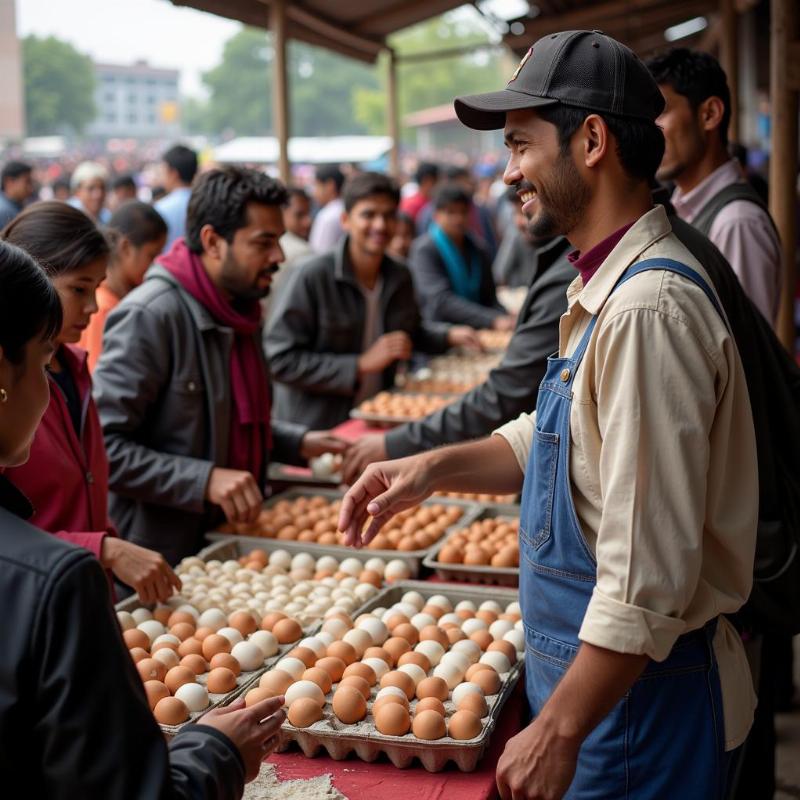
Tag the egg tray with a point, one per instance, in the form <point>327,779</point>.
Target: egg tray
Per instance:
<point>413,558</point>
<point>339,740</point>
<point>473,573</point>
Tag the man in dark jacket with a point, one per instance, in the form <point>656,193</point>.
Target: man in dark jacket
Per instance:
<point>181,387</point>
<point>452,270</point>
<point>348,317</point>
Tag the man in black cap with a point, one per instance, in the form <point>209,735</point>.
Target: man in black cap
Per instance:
<point>640,493</point>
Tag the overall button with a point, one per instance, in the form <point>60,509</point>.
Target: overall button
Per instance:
<point>565,373</point>
<point>191,386</point>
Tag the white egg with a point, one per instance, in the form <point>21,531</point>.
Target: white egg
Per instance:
<point>245,575</point>
<point>249,655</point>
<point>231,634</point>
<point>293,608</point>
<point>390,690</point>
<point>305,689</point>
<point>326,638</point>
<point>499,628</point>
<point>126,620</point>
<point>230,567</point>
<point>214,618</point>
<point>519,626</point>
<point>352,566</point>
<point>432,650</point>
<point>365,591</point>
<point>349,583</point>
<point>406,609</point>
<point>335,627</point>
<point>166,637</point>
<point>471,626</point>
<point>346,605</point>
<point>397,570</point>
<point>378,612</point>
<point>265,641</point>
<point>441,601</point>
<point>282,580</point>
<point>327,564</point>
<point>513,608</point>
<point>194,561</point>
<point>152,627</point>
<point>359,638</point>
<point>459,660</point>
<point>167,657</point>
<point>468,648</point>
<point>303,561</point>
<point>496,659</point>
<point>422,620</point>
<point>315,644</point>
<point>273,605</point>
<point>466,605</point>
<point>517,638</point>
<point>141,615</point>
<point>280,558</point>
<point>376,629</point>
<point>463,689</point>
<point>450,674</point>
<point>241,588</point>
<point>379,666</point>
<point>194,696</point>
<point>376,565</point>
<point>450,619</point>
<point>294,666</point>
<point>415,599</point>
<point>491,605</point>
<point>414,670</point>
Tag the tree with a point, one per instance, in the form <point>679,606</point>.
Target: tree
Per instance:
<point>59,86</point>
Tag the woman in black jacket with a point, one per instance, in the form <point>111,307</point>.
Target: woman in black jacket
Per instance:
<point>74,721</point>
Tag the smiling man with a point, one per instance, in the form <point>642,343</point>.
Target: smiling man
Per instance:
<point>638,469</point>
<point>347,318</point>
<point>182,388</point>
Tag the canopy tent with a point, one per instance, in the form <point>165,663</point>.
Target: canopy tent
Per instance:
<point>304,149</point>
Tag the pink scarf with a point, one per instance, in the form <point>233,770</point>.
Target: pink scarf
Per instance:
<point>250,432</point>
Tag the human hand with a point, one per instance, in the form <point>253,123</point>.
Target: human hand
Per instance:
<point>464,336</point>
<point>145,571</point>
<point>367,450</point>
<point>385,489</point>
<point>316,443</point>
<point>236,492</point>
<point>504,323</point>
<point>537,764</point>
<point>390,347</point>
<point>253,731</point>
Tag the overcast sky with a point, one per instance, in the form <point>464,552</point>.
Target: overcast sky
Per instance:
<point>121,31</point>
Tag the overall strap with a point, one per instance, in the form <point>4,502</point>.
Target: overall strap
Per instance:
<point>741,190</point>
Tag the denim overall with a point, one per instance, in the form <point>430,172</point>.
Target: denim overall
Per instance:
<point>664,740</point>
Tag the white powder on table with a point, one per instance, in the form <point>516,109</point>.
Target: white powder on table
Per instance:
<point>267,786</point>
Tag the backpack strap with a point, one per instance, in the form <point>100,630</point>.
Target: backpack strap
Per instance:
<point>741,190</point>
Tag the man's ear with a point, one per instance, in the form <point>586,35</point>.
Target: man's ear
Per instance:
<point>212,242</point>
<point>710,113</point>
<point>595,140</point>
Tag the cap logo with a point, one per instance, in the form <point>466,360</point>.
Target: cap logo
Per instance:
<point>522,63</point>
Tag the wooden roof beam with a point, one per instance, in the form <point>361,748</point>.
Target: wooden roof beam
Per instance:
<point>397,16</point>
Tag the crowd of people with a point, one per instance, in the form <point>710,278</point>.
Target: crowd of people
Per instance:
<point>155,358</point>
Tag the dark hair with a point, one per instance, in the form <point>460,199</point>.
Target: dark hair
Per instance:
<point>61,238</point>
<point>183,160</point>
<point>697,76</point>
<point>369,184</point>
<point>298,192</point>
<point>426,169</point>
<point>29,303</point>
<point>220,198</point>
<point>405,219</point>
<point>330,172</point>
<point>157,192</point>
<point>61,183</point>
<point>124,182</point>
<point>450,193</point>
<point>454,173</point>
<point>640,142</point>
<point>138,222</point>
<point>13,170</point>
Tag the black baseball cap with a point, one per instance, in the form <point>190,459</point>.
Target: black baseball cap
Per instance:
<point>583,69</point>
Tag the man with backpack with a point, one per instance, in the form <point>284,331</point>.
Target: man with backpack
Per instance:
<point>711,192</point>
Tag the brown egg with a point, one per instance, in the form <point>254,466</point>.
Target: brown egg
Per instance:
<point>221,680</point>
<point>243,622</point>
<point>477,557</point>
<point>507,556</point>
<point>344,651</point>
<point>473,668</point>
<point>177,676</point>
<point>138,653</point>
<point>228,661</point>
<point>420,659</point>
<point>465,613</point>
<point>361,670</point>
<point>430,704</point>
<point>389,698</point>
<point>400,680</point>
<point>506,648</point>
<point>451,554</point>
<point>320,677</point>
<point>335,667</point>
<point>488,680</point>
<point>378,652</point>
<point>392,720</point>
<point>432,687</point>
<point>257,695</point>
<point>434,633</point>
<point>482,638</point>
<point>171,711</point>
<point>437,612</point>
<point>370,576</point>
<point>395,620</point>
<point>269,620</point>
<point>464,725</point>
<point>474,702</point>
<point>487,616</point>
<point>304,712</point>
<point>203,632</point>
<point>259,555</point>
<point>357,683</point>
<point>215,644</point>
<point>349,705</point>
<point>136,638</point>
<point>408,632</point>
<point>346,618</point>
<point>162,614</point>
<point>164,645</point>
<point>395,647</point>
<point>454,635</point>
<point>429,725</point>
<point>190,646</point>
<point>183,630</point>
<point>277,681</point>
<point>195,663</point>
<point>287,630</point>
<point>151,669</point>
<point>304,654</point>
<point>181,617</point>
<point>407,544</point>
<point>155,691</point>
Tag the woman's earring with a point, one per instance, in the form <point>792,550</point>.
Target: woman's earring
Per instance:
<point>3,396</point>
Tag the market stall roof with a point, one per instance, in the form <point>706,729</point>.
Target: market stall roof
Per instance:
<point>304,149</point>
<point>355,28</point>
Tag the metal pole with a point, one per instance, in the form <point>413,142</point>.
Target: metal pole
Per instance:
<point>393,117</point>
<point>783,157</point>
<point>728,43</point>
<point>280,93</point>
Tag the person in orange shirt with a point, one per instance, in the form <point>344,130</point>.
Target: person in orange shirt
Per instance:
<point>138,233</point>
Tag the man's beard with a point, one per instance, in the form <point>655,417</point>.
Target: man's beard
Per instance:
<point>231,280</point>
<point>562,201</point>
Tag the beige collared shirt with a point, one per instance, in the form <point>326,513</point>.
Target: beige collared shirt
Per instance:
<point>662,461</point>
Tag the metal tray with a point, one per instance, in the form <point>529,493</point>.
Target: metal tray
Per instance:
<point>340,740</point>
<point>413,558</point>
<point>470,573</point>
